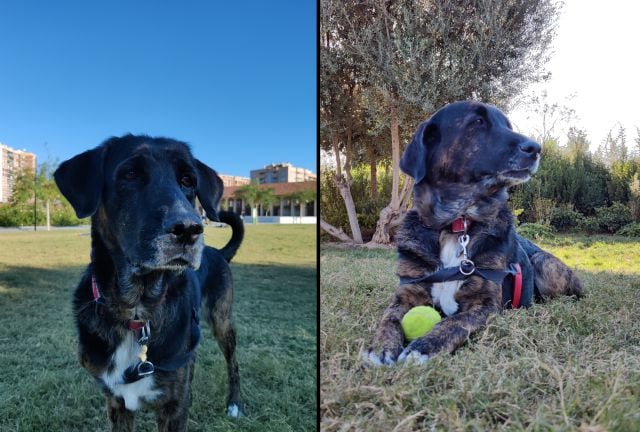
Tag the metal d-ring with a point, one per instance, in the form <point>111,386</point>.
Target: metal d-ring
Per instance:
<point>145,368</point>
<point>467,263</point>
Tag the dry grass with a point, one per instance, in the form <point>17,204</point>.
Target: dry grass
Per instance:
<point>43,387</point>
<point>563,365</point>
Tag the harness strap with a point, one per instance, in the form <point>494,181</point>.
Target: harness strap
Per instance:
<point>144,367</point>
<point>453,274</point>
<point>97,297</point>
<point>139,370</point>
<point>517,286</point>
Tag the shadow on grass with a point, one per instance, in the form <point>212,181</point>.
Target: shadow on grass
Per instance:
<point>42,386</point>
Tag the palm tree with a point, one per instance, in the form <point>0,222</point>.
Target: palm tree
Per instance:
<point>301,198</point>
<point>255,196</point>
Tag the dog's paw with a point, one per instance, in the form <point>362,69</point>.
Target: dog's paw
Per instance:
<point>234,411</point>
<point>410,356</point>
<point>382,358</point>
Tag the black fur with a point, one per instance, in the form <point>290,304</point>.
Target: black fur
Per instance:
<point>463,160</point>
<point>150,263</point>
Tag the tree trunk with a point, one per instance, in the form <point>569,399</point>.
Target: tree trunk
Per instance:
<point>336,232</point>
<point>345,192</point>
<point>336,151</point>
<point>373,163</point>
<point>390,215</point>
<point>48,217</point>
<point>384,225</point>
<point>395,153</point>
<point>344,187</point>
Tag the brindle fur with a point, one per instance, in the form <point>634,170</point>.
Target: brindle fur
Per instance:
<point>461,170</point>
<point>149,260</point>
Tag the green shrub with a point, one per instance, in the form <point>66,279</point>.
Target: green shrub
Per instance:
<point>22,215</point>
<point>590,225</point>
<point>10,216</point>
<point>535,231</point>
<point>368,210</point>
<point>516,213</point>
<point>65,216</point>
<point>614,217</point>
<point>630,230</point>
<point>565,218</point>
<point>331,203</point>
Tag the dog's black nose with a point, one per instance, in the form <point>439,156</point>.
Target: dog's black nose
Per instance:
<point>186,231</point>
<point>531,148</point>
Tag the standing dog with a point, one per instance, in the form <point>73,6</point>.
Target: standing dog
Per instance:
<point>137,306</point>
<point>458,243</point>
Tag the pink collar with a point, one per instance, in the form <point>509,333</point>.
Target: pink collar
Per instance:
<point>133,324</point>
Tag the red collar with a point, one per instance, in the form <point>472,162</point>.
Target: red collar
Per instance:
<point>458,225</point>
<point>136,324</point>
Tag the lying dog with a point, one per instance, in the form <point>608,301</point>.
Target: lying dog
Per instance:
<point>458,244</point>
<point>137,306</point>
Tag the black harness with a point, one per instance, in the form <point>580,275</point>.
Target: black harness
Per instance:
<point>448,274</point>
<point>142,329</point>
<point>511,289</point>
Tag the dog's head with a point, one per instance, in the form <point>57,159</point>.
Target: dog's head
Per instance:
<point>470,143</point>
<point>140,192</point>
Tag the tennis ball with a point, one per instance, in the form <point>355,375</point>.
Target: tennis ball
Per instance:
<point>419,321</point>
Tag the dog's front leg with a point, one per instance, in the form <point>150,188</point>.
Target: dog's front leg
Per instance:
<point>172,415</point>
<point>477,299</point>
<point>121,419</point>
<point>388,340</point>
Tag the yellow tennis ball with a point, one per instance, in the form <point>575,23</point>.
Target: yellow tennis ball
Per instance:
<point>419,321</point>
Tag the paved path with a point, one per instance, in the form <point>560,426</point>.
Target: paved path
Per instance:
<point>43,228</point>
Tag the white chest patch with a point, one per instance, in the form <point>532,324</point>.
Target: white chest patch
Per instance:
<point>124,356</point>
<point>443,293</point>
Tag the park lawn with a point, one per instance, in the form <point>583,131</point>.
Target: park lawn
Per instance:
<point>563,365</point>
<point>43,387</point>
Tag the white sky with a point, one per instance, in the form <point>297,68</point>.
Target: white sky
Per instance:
<point>597,58</point>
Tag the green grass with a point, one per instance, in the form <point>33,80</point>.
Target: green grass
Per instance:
<point>43,387</point>
<point>563,365</point>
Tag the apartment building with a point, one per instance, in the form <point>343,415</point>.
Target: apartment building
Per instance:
<point>230,180</point>
<point>282,173</point>
<point>12,162</point>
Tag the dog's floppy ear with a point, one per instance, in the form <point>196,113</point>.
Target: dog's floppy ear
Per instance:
<point>209,191</point>
<point>414,159</point>
<point>80,179</point>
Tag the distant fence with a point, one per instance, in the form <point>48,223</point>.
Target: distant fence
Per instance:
<point>282,220</point>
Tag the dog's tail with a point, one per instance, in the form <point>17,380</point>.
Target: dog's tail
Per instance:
<point>551,276</point>
<point>237,228</point>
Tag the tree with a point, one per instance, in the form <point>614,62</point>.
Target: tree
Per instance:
<point>634,198</point>
<point>338,112</point>
<point>614,147</point>
<point>256,196</point>
<point>550,116</point>
<point>20,209</point>
<point>301,198</point>
<point>412,57</point>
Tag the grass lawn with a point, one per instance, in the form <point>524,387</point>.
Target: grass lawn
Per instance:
<point>563,365</point>
<point>43,387</point>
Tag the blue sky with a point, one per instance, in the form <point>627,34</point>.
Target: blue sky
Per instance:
<point>236,80</point>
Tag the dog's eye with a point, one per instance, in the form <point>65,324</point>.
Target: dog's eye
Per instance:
<point>130,175</point>
<point>478,122</point>
<point>186,180</point>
